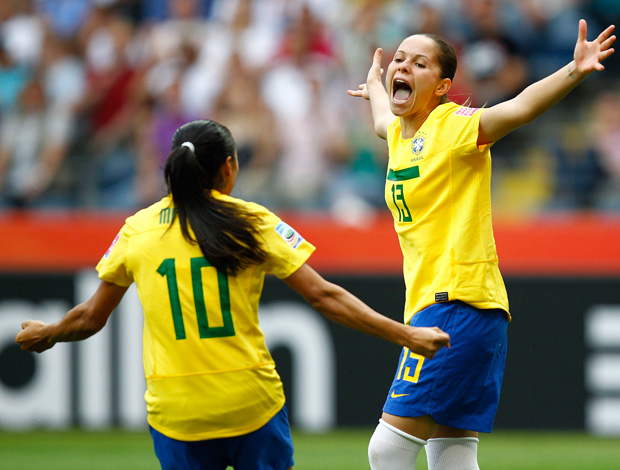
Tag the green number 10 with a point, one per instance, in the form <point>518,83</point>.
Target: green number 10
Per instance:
<point>168,269</point>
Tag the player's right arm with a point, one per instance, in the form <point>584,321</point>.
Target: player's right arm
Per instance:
<point>344,308</point>
<point>81,322</point>
<point>374,91</point>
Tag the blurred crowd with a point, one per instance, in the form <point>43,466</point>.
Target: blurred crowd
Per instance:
<point>92,90</point>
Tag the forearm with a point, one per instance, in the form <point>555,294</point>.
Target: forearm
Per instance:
<point>532,102</point>
<point>344,308</point>
<point>77,324</point>
<point>380,107</point>
<point>81,322</point>
<point>542,95</point>
<point>347,310</point>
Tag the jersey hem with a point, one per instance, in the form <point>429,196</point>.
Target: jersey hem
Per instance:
<point>238,431</point>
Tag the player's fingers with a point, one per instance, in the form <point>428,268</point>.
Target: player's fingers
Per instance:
<point>605,34</point>
<point>603,55</point>
<point>583,30</point>
<point>376,60</point>
<point>607,43</point>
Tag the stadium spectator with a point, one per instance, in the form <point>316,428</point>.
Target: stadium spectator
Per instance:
<point>34,139</point>
<point>64,17</point>
<point>109,107</point>
<point>13,77</point>
<point>22,31</point>
<point>63,73</point>
<point>196,41</point>
<point>605,138</point>
<point>158,117</point>
<point>241,106</point>
<point>300,89</point>
<point>544,32</point>
<point>578,172</point>
<point>490,58</point>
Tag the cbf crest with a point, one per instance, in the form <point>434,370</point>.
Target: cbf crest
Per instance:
<point>417,145</point>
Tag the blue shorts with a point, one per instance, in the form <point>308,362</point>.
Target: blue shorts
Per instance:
<point>460,386</point>
<point>267,448</point>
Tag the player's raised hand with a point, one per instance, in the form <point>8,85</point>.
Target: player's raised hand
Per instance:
<point>426,341</point>
<point>374,73</point>
<point>589,54</point>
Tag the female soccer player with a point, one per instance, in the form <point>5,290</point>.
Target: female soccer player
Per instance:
<point>438,190</point>
<point>199,258</point>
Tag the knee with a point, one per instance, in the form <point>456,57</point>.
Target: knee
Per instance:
<point>390,448</point>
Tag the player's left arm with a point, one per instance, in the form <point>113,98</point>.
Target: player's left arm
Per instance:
<point>344,308</point>
<point>81,322</point>
<point>505,117</point>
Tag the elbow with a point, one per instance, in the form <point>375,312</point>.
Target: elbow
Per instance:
<point>319,297</point>
<point>381,130</point>
<point>316,299</point>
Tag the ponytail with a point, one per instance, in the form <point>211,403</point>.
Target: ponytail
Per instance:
<point>225,231</point>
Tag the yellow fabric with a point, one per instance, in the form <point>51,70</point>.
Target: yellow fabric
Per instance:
<point>438,190</point>
<point>223,383</point>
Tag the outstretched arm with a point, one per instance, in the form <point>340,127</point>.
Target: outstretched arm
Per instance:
<point>344,308</point>
<point>374,91</point>
<point>505,117</point>
<point>81,322</point>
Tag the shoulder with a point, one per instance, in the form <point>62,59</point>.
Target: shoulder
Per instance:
<point>455,111</point>
<point>150,217</point>
<point>457,125</point>
<point>247,206</point>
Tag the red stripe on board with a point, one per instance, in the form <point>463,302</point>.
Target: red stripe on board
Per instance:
<point>581,244</point>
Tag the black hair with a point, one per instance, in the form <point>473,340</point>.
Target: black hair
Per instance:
<point>446,58</point>
<point>224,230</point>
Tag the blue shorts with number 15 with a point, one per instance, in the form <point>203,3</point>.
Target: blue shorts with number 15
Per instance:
<point>460,386</point>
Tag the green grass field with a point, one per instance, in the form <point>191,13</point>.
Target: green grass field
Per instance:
<point>344,449</point>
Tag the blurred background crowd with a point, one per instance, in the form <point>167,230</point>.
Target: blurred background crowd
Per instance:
<point>92,90</point>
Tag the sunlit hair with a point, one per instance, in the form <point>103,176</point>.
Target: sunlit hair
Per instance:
<point>225,231</point>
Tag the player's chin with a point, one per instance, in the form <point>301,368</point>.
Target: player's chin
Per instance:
<point>399,108</point>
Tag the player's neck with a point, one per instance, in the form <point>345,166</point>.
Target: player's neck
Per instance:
<point>410,124</point>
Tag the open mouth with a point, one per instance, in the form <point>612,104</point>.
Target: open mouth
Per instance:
<point>401,91</point>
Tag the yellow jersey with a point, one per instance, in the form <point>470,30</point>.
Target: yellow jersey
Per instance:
<point>438,189</point>
<point>208,371</point>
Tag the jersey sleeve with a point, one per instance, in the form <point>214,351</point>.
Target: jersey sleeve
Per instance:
<point>113,265</point>
<point>287,249</point>
<point>460,128</point>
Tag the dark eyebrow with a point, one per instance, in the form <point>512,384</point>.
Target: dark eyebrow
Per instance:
<point>415,56</point>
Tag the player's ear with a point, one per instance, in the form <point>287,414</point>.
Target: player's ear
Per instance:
<point>443,87</point>
<point>228,166</point>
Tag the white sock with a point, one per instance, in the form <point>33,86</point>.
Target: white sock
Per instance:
<point>454,453</point>
<point>392,449</point>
